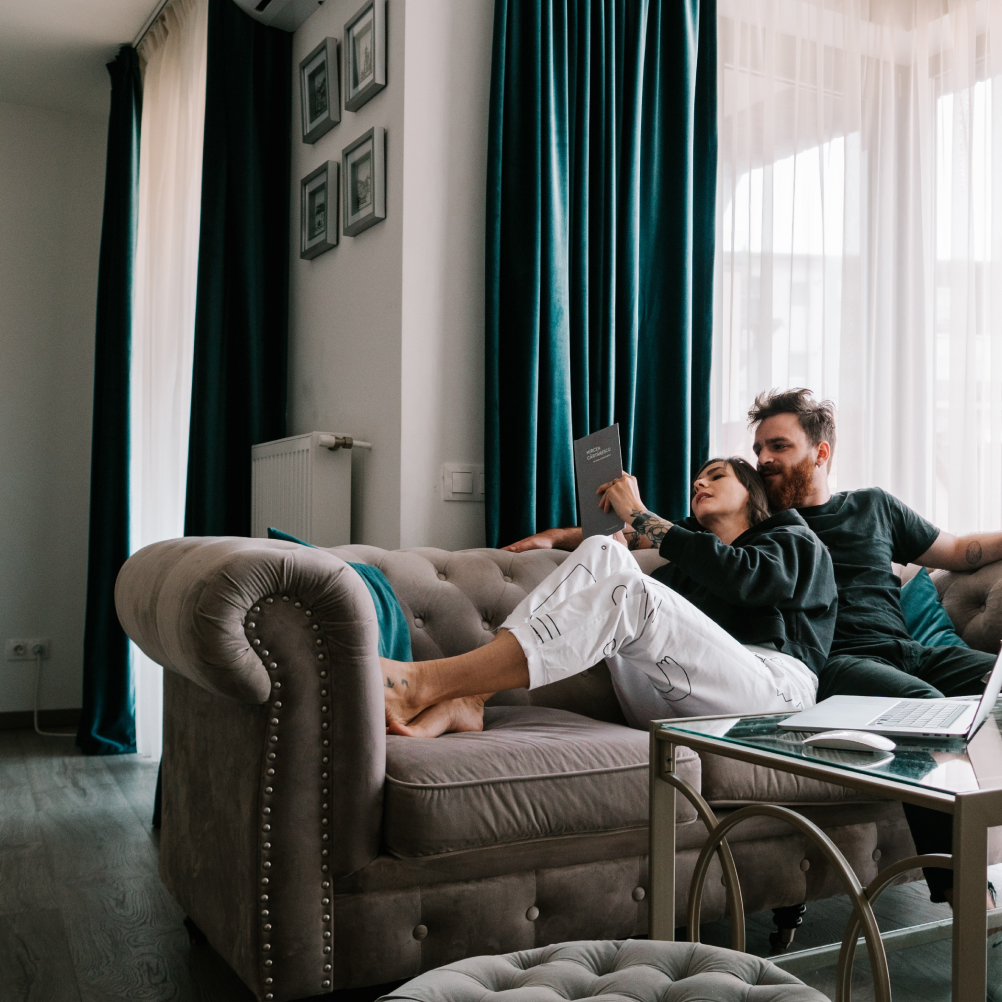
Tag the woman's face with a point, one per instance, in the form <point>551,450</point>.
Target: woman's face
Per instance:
<point>716,492</point>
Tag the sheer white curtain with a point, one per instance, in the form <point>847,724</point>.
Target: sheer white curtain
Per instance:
<point>170,187</point>
<point>859,237</point>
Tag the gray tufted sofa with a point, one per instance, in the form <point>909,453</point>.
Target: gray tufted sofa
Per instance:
<point>317,853</point>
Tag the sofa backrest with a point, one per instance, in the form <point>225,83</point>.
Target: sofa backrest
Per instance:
<point>454,602</point>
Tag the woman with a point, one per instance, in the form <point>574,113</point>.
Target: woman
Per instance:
<point>739,621</point>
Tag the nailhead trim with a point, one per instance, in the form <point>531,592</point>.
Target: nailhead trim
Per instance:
<point>325,725</point>
<point>268,791</point>
<point>269,788</point>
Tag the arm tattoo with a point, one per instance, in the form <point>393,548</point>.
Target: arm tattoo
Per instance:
<point>650,525</point>
<point>974,553</point>
<point>632,539</point>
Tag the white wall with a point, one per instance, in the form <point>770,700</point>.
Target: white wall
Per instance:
<point>51,196</point>
<point>447,77</point>
<point>344,306</point>
<point>386,330</point>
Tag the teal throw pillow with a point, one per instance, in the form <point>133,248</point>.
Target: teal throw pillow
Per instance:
<point>925,617</point>
<point>394,637</point>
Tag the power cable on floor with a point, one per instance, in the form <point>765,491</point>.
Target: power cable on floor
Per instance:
<point>38,650</point>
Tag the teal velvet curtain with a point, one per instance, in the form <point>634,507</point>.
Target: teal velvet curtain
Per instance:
<point>238,392</point>
<point>599,257</point>
<point>107,719</point>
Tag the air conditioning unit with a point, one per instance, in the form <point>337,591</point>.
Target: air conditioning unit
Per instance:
<point>285,14</point>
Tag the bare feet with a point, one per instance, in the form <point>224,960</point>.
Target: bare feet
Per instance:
<point>401,685</point>
<point>463,714</point>
<point>410,687</point>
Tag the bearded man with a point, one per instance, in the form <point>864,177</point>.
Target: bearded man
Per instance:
<point>865,531</point>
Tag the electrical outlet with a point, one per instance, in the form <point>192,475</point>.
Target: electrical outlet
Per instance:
<point>26,649</point>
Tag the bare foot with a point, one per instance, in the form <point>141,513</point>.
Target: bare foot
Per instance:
<point>400,692</point>
<point>463,714</point>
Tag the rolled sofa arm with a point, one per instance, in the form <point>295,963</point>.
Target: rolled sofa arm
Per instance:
<point>274,742</point>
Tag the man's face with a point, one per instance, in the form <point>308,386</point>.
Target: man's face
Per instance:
<point>786,460</point>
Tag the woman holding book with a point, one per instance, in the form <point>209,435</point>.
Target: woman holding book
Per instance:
<point>739,621</point>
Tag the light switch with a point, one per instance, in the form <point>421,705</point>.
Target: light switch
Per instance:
<point>462,482</point>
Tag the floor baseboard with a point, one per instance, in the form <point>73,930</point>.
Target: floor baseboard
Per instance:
<point>24,719</point>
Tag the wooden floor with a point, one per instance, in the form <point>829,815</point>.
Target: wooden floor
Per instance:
<point>84,917</point>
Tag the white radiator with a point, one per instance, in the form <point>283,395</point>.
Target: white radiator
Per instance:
<point>302,485</point>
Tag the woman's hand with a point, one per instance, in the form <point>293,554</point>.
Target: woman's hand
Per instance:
<point>622,496</point>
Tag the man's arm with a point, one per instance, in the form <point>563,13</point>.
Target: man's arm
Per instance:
<point>549,539</point>
<point>963,553</point>
<point>570,539</point>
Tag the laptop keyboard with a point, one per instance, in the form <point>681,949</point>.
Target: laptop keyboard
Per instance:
<point>929,714</point>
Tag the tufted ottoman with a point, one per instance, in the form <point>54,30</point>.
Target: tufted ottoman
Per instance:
<point>629,970</point>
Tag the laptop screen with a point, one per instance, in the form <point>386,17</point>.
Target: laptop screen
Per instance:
<point>991,693</point>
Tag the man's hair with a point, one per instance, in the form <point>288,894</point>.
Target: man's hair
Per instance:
<point>817,418</point>
<point>757,508</point>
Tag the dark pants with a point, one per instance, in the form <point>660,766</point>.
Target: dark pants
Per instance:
<point>904,668</point>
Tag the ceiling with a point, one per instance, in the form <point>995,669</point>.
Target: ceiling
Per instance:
<point>53,52</point>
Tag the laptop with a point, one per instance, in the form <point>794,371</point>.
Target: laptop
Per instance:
<point>934,718</point>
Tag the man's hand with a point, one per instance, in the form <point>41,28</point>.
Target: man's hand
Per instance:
<point>963,553</point>
<point>549,539</point>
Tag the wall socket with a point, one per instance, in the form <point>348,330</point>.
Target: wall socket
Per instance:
<point>22,649</point>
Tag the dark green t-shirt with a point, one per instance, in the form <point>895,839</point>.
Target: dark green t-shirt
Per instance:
<point>864,531</point>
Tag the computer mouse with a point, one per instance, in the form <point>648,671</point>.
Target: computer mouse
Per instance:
<point>851,741</point>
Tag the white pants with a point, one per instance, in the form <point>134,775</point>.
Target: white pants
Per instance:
<point>666,657</point>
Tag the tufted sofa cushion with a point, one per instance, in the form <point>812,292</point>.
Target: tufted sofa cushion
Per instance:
<point>534,772</point>
<point>615,971</point>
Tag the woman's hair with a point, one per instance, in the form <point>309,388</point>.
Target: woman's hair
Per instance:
<point>757,508</point>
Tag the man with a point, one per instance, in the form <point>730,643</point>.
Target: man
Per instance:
<point>864,530</point>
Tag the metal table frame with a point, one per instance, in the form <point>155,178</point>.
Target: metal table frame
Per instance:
<point>973,814</point>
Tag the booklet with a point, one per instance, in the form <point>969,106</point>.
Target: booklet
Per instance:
<point>597,460</point>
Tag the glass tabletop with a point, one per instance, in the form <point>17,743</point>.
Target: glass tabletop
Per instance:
<point>949,765</point>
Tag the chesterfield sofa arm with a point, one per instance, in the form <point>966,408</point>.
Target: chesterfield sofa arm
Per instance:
<point>274,742</point>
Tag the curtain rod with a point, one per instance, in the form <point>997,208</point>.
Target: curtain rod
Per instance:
<point>150,21</point>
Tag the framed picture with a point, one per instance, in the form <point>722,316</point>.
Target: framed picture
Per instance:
<point>318,210</point>
<point>320,90</point>
<point>365,54</point>
<point>364,167</point>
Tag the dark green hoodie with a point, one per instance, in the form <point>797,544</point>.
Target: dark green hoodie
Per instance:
<point>774,585</point>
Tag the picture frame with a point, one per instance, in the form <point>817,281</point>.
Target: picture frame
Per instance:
<point>319,192</point>
<point>363,166</point>
<point>320,90</point>
<point>364,54</point>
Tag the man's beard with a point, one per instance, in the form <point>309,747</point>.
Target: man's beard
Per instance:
<point>792,486</point>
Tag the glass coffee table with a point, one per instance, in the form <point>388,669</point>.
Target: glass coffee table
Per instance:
<point>958,778</point>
